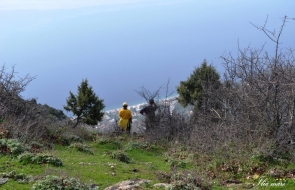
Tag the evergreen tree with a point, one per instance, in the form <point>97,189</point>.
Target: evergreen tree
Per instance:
<point>59,114</point>
<point>193,90</point>
<point>86,106</point>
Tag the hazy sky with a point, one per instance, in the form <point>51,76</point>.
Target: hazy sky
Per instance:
<point>121,45</point>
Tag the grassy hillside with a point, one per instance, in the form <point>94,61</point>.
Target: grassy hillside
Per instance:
<point>109,160</point>
<point>105,162</point>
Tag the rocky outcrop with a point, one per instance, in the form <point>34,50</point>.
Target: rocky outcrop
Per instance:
<point>135,184</point>
<point>128,185</point>
<point>3,180</point>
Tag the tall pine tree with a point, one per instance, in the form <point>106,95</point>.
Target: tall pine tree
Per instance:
<point>86,106</point>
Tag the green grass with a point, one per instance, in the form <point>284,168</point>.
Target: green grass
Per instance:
<point>145,162</point>
<point>98,168</point>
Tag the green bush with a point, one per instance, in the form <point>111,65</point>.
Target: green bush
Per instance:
<point>175,162</point>
<point>26,158</point>
<point>108,144</point>
<point>81,147</point>
<point>66,139</point>
<point>15,147</point>
<point>83,133</point>
<point>269,160</point>
<point>35,147</point>
<point>183,180</point>
<point>30,158</point>
<point>54,182</point>
<point>20,178</point>
<point>136,145</point>
<point>156,149</point>
<point>11,146</point>
<point>121,156</point>
<point>3,146</point>
<point>47,159</point>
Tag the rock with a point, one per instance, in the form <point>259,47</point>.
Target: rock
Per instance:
<point>165,185</point>
<point>128,184</point>
<point>276,173</point>
<point>92,186</point>
<point>3,180</point>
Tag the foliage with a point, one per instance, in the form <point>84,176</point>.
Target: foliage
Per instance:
<point>81,147</point>
<point>108,144</point>
<point>11,146</point>
<point>184,180</point>
<point>65,135</point>
<point>35,146</point>
<point>156,148</point>
<point>19,177</point>
<point>176,163</point>
<point>55,112</point>
<point>21,118</point>
<point>26,158</point>
<point>181,182</point>
<point>135,145</point>
<point>58,114</point>
<point>55,182</point>
<point>121,156</point>
<point>260,98</point>
<point>106,168</point>
<point>66,139</point>
<point>169,124</point>
<point>179,157</point>
<point>86,105</point>
<point>192,90</point>
<point>10,89</point>
<point>30,158</point>
<point>84,133</point>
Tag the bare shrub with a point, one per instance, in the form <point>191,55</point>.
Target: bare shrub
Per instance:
<point>260,99</point>
<point>11,103</point>
<point>23,119</point>
<point>256,103</point>
<point>169,125</point>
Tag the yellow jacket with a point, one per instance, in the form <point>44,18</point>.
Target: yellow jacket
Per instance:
<point>125,115</point>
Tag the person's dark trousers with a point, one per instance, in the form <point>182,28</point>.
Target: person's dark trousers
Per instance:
<point>128,130</point>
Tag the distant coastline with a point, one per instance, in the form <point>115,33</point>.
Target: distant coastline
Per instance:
<point>142,101</point>
<point>108,108</point>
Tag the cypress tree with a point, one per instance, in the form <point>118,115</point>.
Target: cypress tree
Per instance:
<point>86,106</point>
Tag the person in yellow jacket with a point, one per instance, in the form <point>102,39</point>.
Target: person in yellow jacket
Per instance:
<point>125,118</point>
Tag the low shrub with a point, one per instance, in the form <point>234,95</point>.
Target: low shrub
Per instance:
<point>155,148</point>
<point>135,145</point>
<point>121,156</point>
<point>84,132</point>
<point>179,159</point>
<point>20,178</point>
<point>35,147</point>
<point>81,147</point>
<point>173,163</point>
<point>11,146</point>
<point>30,158</point>
<point>26,158</point>
<point>108,144</point>
<point>103,141</point>
<point>66,139</point>
<point>183,180</point>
